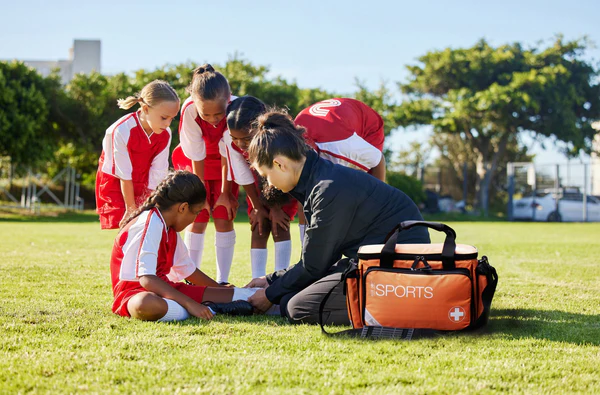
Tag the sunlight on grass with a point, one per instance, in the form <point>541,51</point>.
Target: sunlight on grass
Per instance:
<point>59,335</point>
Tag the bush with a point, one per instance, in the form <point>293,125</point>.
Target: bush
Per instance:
<point>407,184</point>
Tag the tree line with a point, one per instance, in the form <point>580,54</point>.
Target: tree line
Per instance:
<point>479,102</point>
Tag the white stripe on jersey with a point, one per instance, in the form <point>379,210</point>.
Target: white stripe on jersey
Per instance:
<point>190,133</point>
<point>140,251</point>
<point>114,145</point>
<point>352,152</point>
<point>160,165</point>
<point>236,162</point>
<point>183,265</point>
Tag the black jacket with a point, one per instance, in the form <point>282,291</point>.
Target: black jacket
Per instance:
<point>344,209</point>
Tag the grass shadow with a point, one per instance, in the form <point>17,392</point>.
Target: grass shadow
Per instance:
<point>553,325</point>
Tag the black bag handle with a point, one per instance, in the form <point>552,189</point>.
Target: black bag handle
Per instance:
<point>389,249</point>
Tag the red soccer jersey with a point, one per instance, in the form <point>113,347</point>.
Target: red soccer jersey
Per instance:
<point>128,153</point>
<point>200,140</point>
<point>345,131</point>
<point>146,246</point>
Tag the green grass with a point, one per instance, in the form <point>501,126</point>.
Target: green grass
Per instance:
<point>59,335</point>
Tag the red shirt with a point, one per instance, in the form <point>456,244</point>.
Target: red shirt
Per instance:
<point>345,131</point>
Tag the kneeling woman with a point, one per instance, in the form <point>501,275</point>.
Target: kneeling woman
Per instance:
<point>149,260</point>
<point>345,208</point>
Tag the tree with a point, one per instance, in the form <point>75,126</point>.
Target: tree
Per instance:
<point>89,104</point>
<point>27,134</point>
<point>487,96</point>
<point>413,158</point>
<point>455,153</point>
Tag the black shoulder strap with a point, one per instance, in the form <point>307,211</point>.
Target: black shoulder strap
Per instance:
<point>372,332</point>
<point>352,268</point>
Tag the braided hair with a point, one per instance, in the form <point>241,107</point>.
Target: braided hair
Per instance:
<point>243,112</point>
<point>177,187</point>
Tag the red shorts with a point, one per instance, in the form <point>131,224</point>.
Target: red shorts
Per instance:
<point>110,204</point>
<point>213,189</point>
<point>125,290</point>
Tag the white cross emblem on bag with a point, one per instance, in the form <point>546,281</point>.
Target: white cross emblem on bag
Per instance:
<point>456,314</point>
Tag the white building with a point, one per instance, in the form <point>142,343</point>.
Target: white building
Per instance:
<point>84,57</point>
<point>595,161</point>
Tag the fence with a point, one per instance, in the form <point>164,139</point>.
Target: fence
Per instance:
<point>553,192</point>
<point>34,187</point>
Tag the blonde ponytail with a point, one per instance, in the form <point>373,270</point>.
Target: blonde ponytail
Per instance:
<point>128,102</point>
<point>152,94</point>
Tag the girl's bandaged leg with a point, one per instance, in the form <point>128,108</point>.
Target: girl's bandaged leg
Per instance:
<point>245,293</point>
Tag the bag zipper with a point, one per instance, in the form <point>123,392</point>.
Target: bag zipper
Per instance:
<point>410,257</point>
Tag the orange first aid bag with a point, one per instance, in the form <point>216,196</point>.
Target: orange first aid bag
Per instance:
<point>438,287</point>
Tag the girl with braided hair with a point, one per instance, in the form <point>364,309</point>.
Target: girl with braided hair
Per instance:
<point>149,260</point>
<point>135,153</point>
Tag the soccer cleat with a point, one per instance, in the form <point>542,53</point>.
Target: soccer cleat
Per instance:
<point>237,307</point>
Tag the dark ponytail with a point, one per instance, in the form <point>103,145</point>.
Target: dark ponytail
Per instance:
<point>205,68</point>
<point>178,187</point>
<point>208,84</point>
<point>276,134</point>
<point>243,112</point>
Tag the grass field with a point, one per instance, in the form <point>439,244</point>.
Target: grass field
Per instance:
<point>58,334</point>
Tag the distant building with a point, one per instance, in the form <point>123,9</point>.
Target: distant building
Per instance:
<point>596,161</point>
<point>84,57</point>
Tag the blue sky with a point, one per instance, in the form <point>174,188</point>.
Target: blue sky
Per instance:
<point>323,44</point>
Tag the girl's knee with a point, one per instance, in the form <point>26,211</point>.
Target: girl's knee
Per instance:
<point>258,240</point>
<point>147,306</point>
<point>198,227</point>
<point>282,235</point>
<point>223,225</point>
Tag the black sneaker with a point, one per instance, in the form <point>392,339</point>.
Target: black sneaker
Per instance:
<point>237,307</point>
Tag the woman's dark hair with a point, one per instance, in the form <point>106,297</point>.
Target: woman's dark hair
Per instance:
<point>276,134</point>
<point>208,84</point>
<point>243,111</point>
<point>178,187</point>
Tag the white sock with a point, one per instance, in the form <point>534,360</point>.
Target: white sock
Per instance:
<point>224,243</point>
<point>243,293</point>
<point>283,252</point>
<point>195,245</point>
<point>175,312</point>
<point>302,228</point>
<point>258,260</point>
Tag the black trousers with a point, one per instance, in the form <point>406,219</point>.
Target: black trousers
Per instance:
<point>303,307</point>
